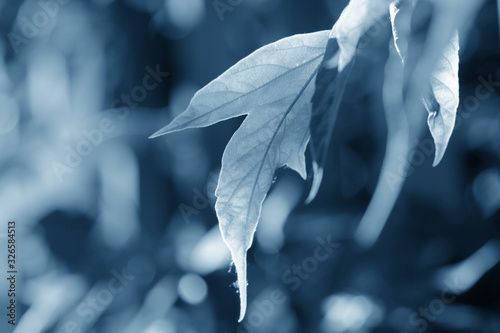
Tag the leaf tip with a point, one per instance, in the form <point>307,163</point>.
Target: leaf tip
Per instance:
<point>242,310</point>
<point>242,287</point>
<point>438,156</point>
<point>317,177</point>
<point>165,130</point>
<point>157,134</point>
<point>239,260</point>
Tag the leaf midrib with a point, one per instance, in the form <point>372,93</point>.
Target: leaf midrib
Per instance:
<point>276,132</point>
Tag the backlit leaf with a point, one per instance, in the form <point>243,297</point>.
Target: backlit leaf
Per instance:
<point>355,20</point>
<point>273,86</point>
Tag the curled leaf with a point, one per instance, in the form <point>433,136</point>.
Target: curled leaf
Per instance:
<point>442,97</point>
<point>442,101</point>
<point>404,112</point>
<point>400,13</point>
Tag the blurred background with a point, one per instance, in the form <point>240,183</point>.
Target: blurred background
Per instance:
<point>117,233</point>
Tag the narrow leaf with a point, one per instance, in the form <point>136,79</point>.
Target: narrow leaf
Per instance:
<point>333,75</point>
<point>330,86</point>
<point>273,86</point>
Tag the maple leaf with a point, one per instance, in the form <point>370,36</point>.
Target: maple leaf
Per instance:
<point>273,86</point>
